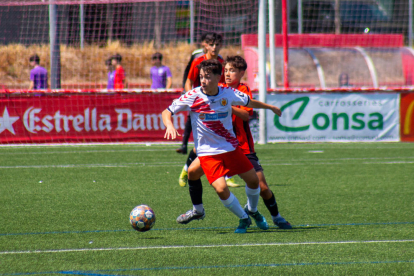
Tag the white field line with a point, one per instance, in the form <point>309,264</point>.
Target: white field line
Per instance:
<point>270,146</point>
<point>73,145</point>
<point>198,246</point>
<point>338,163</point>
<point>118,165</point>
<point>90,151</point>
<point>168,147</point>
<point>347,158</point>
<point>179,164</point>
<point>389,162</point>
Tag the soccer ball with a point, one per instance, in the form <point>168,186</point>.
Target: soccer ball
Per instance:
<point>142,218</point>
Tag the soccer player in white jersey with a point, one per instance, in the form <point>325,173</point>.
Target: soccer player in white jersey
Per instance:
<point>210,109</point>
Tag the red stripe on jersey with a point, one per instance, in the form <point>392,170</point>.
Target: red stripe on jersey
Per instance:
<point>199,105</point>
<point>218,128</point>
<point>185,96</point>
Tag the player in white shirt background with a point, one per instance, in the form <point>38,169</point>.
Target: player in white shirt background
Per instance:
<point>210,109</point>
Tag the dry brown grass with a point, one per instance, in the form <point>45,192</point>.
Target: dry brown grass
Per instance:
<point>88,65</point>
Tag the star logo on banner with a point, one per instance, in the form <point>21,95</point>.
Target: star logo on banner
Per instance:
<point>6,122</point>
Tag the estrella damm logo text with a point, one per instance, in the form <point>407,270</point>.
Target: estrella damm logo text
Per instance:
<point>323,121</point>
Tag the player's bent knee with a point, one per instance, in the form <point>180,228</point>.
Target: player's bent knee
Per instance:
<point>221,188</point>
<point>194,174</point>
<point>264,188</point>
<point>251,179</point>
<point>265,192</point>
<point>195,171</point>
<point>223,193</point>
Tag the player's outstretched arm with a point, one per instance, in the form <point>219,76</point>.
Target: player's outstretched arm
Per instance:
<point>257,104</point>
<point>242,114</point>
<point>170,129</point>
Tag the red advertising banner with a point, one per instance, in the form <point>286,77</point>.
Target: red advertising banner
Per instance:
<point>85,118</point>
<point>407,117</point>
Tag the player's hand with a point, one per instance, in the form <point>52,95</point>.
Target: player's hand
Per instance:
<point>276,110</point>
<point>171,132</point>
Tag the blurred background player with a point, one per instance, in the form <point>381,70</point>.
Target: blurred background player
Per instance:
<point>111,74</point>
<point>119,78</point>
<point>38,75</point>
<point>161,76</point>
<point>195,54</point>
<point>211,44</point>
<point>234,70</point>
<point>343,80</point>
<point>210,107</point>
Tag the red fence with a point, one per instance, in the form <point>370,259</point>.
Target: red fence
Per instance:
<point>94,117</point>
<point>84,118</point>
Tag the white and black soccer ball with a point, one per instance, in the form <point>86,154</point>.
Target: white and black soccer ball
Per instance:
<point>142,218</point>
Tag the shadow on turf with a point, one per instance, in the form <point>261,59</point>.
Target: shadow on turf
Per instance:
<point>279,185</point>
<point>150,238</point>
<point>270,185</point>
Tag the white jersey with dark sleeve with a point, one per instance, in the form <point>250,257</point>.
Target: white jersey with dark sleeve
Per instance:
<point>211,118</point>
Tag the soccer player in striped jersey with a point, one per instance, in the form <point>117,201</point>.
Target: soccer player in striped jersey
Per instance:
<point>210,108</point>
<point>211,43</point>
<point>234,70</point>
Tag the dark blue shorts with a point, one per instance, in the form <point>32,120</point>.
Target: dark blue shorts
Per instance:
<point>255,162</point>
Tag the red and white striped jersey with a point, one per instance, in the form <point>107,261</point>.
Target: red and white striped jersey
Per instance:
<point>211,118</point>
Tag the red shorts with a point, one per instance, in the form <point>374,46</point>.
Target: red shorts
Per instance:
<point>228,163</point>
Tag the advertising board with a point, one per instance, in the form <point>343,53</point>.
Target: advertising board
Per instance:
<point>334,118</point>
<point>87,118</point>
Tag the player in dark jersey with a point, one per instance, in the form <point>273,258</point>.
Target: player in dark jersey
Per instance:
<point>206,40</point>
<point>187,130</point>
<point>235,68</point>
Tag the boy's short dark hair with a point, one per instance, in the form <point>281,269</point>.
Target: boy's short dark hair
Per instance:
<point>117,57</point>
<point>108,62</point>
<point>203,37</point>
<point>212,38</point>
<point>157,55</point>
<point>237,62</point>
<point>35,58</point>
<point>211,66</point>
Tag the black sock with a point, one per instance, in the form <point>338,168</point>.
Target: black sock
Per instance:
<point>196,191</point>
<point>191,157</point>
<point>187,131</point>
<point>272,205</point>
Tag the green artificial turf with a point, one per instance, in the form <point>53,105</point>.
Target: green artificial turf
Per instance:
<point>65,210</point>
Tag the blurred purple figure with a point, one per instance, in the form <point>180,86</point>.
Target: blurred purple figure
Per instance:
<point>38,75</point>
<point>111,74</point>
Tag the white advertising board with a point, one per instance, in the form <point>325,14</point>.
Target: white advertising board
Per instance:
<point>334,118</point>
